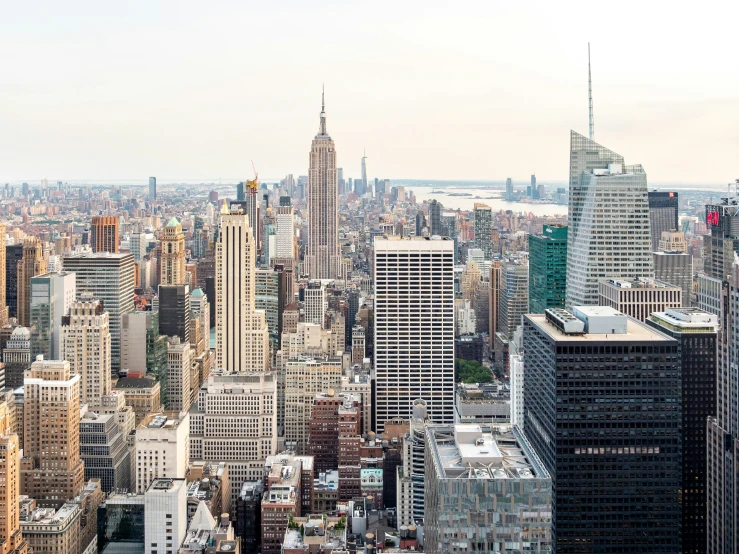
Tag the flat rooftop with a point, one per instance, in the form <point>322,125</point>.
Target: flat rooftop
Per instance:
<point>473,451</point>
<point>635,330</point>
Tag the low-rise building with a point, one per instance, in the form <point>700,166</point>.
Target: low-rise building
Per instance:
<point>483,403</point>
<point>208,484</point>
<point>143,394</point>
<point>53,531</point>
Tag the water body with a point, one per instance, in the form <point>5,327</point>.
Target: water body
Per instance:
<point>493,197</point>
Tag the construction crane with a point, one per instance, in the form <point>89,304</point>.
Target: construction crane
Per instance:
<point>253,185</point>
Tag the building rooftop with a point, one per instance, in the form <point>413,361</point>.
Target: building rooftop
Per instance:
<point>320,533</point>
<point>163,485</point>
<point>161,421</point>
<point>51,517</point>
<point>472,451</point>
<point>687,320</point>
<point>633,329</point>
<point>638,283</point>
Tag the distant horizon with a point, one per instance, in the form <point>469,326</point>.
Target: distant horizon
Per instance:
<point>221,182</point>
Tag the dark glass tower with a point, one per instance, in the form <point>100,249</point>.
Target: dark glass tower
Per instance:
<point>695,332</point>
<point>174,311</point>
<point>663,215</point>
<point>602,407</point>
<point>547,269</point>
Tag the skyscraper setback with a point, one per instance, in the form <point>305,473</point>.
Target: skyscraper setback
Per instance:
<point>613,242</point>
<point>323,258</point>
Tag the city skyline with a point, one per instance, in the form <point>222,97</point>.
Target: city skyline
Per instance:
<point>501,79</point>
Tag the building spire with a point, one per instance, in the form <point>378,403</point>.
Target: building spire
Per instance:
<point>322,129</point>
<point>590,97</point>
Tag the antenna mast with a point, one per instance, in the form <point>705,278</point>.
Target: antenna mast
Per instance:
<point>590,96</point>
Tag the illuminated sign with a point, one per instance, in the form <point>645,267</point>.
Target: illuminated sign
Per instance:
<point>712,218</point>
<point>672,195</point>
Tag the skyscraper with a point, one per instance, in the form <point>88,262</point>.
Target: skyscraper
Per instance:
<point>612,242</point>
<point>85,344</point>
<point>174,311</point>
<point>695,332</point>
<point>722,242</point>
<point>602,408</point>
<point>137,246</point>
<point>152,188</point>
<point>484,229</point>
<point>242,336</point>
<point>179,362</point>
<point>3,299</point>
<point>548,269</point>
<point>104,234</point>
<point>52,294</point>
<point>315,303</point>
<point>13,255</point>
<point>364,173</point>
<point>285,232</point>
<point>675,268</point>
<point>33,263</point>
<point>414,327</point>
<point>11,538</point>
<point>663,214</point>
<point>509,189</point>
<point>108,277</point>
<point>323,258</point>
<point>172,262</point>
<point>52,470</point>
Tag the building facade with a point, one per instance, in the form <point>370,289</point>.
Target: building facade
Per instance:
<point>548,269</point>
<point>414,327</point>
<point>638,298</point>
<point>663,216</point>
<point>104,234</point>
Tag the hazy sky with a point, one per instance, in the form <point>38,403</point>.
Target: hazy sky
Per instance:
<point>434,90</point>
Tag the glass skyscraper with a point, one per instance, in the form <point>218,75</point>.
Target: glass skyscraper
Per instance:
<point>547,269</point>
<point>609,231</point>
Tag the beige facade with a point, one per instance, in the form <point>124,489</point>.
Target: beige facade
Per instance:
<point>11,539</point>
<point>673,241</point>
<point>180,371</point>
<point>304,378</point>
<point>142,394</point>
<point>51,470</point>
<point>242,335</point>
<point>85,344</point>
<point>638,298</point>
<point>323,257</point>
<point>172,263</point>
<point>3,298</point>
<point>53,531</point>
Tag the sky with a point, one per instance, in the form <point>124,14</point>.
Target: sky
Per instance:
<point>433,90</point>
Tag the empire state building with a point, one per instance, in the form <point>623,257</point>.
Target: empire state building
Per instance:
<point>323,259</point>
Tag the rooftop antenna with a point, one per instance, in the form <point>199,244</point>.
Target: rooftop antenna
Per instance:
<point>590,96</point>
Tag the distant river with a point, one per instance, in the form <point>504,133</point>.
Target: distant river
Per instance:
<point>491,197</point>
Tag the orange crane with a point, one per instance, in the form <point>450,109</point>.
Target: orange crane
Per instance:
<point>253,185</point>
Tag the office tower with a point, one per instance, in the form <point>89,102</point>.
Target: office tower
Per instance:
<point>142,328</point>
<point>137,246</point>
<point>104,451</point>
<point>104,234</point>
<point>51,530</point>
<point>722,243</point>
<point>235,421</point>
<point>723,428</point>
<point>639,297</point>
<point>358,344</point>
<point>17,357</point>
<point>52,295</point>
<point>161,447</point>
<point>509,190</point>
<point>315,303</point>
<point>109,278</point>
<point>250,207</point>
<point>435,218</point>
<point>514,296</point>
<point>613,242</point>
<point>484,229</point>
<point>242,335</point>
<point>286,268</point>
<point>696,333</point>
<point>323,257</point>
<point>420,223</point>
<point>86,344</point>
<point>201,311</point>
<point>410,499</point>
<point>484,469</point>
<point>174,311</point>
<point>673,241</point>
<point>3,270</point>
<point>172,260</point>
<point>165,505</point>
<point>241,192</point>
<point>51,470</point>
<point>677,269</point>
<point>548,269</point>
<point>540,192</point>
<point>414,327</point>
<point>152,188</point>
<point>285,232</point>
<point>269,298</point>
<point>33,263</point>
<point>364,174</point>
<point>270,243</point>
<point>11,537</point>
<point>494,301</point>
<point>304,378</point>
<point>179,362</point>
<point>663,216</point>
<point>13,255</point>
<point>614,456</point>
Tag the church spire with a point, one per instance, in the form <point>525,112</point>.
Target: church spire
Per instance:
<point>322,129</point>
